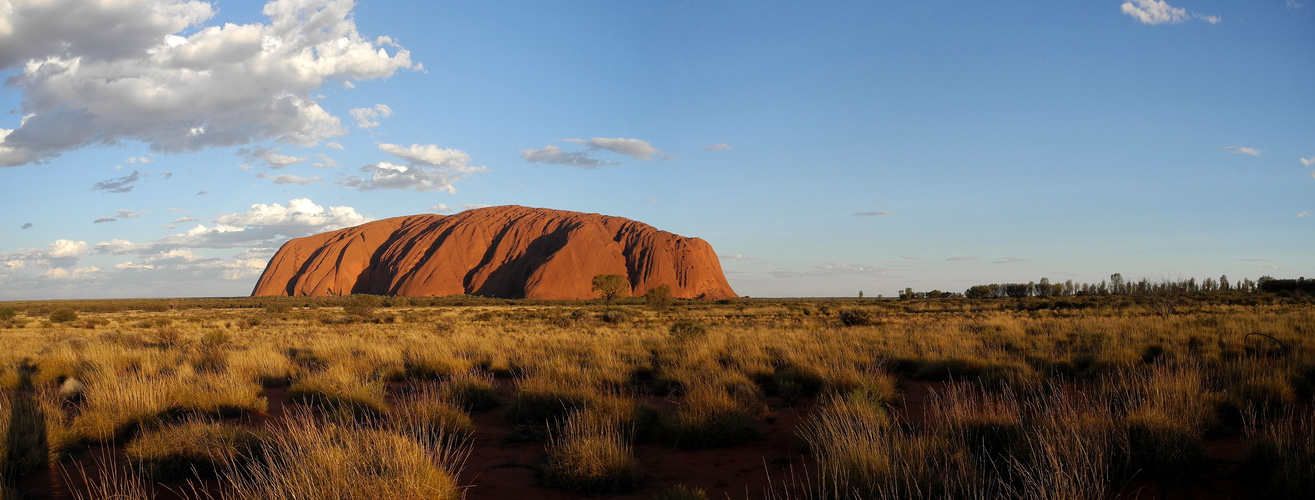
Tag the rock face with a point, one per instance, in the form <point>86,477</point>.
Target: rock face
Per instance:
<point>509,251</point>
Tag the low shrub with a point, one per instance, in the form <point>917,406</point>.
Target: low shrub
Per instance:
<point>684,329</point>
<point>63,315</point>
<point>542,398</point>
<point>855,317</point>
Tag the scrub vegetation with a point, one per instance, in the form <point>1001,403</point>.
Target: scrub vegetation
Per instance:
<point>349,397</point>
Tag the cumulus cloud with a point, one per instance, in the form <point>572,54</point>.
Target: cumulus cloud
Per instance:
<point>291,179</point>
<point>428,168</point>
<point>118,185</point>
<point>441,208</point>
<point>369,117</point>
<point>1154,12</point>
<point>150,70</point>
<point>59,254</point>
<point>1308,161</point>
<point>873,214</point>
<point>1160,12</point>
<point>1243,151</point>
<point>554,155</point>
<point>270,156</point>
<point>325,161</point>
<point>138,159</point>
<point>260,225</point>
<point>1303,215</point>
<point>472,206</point>
<point>721,146</point>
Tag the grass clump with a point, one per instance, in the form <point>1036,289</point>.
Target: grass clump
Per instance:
<point>710,417</point>
<point>312,459</point>
<point>1281,458</point>
<point>681,492</point>
<point>341,390</point>
<point>587,454</point>
<point>427,413</point>
<point>472,390</point>
<point>194,446</point>
<point>543,397</point>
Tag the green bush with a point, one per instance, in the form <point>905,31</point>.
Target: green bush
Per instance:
<point>63,315</point>
<point>7,314</point>
<point>855,317</point>
<point>687,329</point>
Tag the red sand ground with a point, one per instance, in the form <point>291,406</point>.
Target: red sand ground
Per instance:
<point>498,468</point>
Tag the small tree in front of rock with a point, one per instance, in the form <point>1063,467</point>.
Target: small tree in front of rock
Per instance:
<point>658,297</point>
<point>610,286</point>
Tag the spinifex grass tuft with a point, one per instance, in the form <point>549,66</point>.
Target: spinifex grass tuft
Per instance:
<point>587,453</point>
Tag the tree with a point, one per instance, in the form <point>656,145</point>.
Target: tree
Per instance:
<point>658,297</point>
<point>609,286</point>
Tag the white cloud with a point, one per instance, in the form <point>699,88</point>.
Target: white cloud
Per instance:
<point>185,219</point>
<point>428,168</point>
<point>634,148</point>
<point>270,156</point>
<point>138,159</point>
<point>334,145</point>
<point>118,185</point>
<point>1294,5</point>
<point>261,224</point>
<point>554,155</point>
<point>1308,161</point>
<point>291,179</point>
<point>441,208</point>
<point>121,70</point>
<point>1303,215</point>
<point>1154,12</point>
<point>721,146</point>
<point>1243,151</point>
<point>60,273</point>
<point>59,254</point>
<point>369,117</point>
<point>325,161</point>
<point>472,206</point>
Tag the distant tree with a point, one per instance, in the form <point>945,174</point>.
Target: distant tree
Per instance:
<point>979,292</point>
<point>609,286</point>
<point>860,295</point>
<point>1116,284</point>
<point>658,297</point>
<point>1043,288</point>
<point>1223,282</point>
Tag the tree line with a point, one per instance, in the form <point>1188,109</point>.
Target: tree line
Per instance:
<point>1118,285</point>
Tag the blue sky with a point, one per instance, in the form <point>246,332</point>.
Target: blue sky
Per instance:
<point>168,148</point>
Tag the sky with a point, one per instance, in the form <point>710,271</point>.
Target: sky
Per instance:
<point>167,148</point>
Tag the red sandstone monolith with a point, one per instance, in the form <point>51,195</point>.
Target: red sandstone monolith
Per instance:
<point>508,251</point>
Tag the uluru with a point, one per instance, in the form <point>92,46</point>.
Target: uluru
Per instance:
<point>505,251</point>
